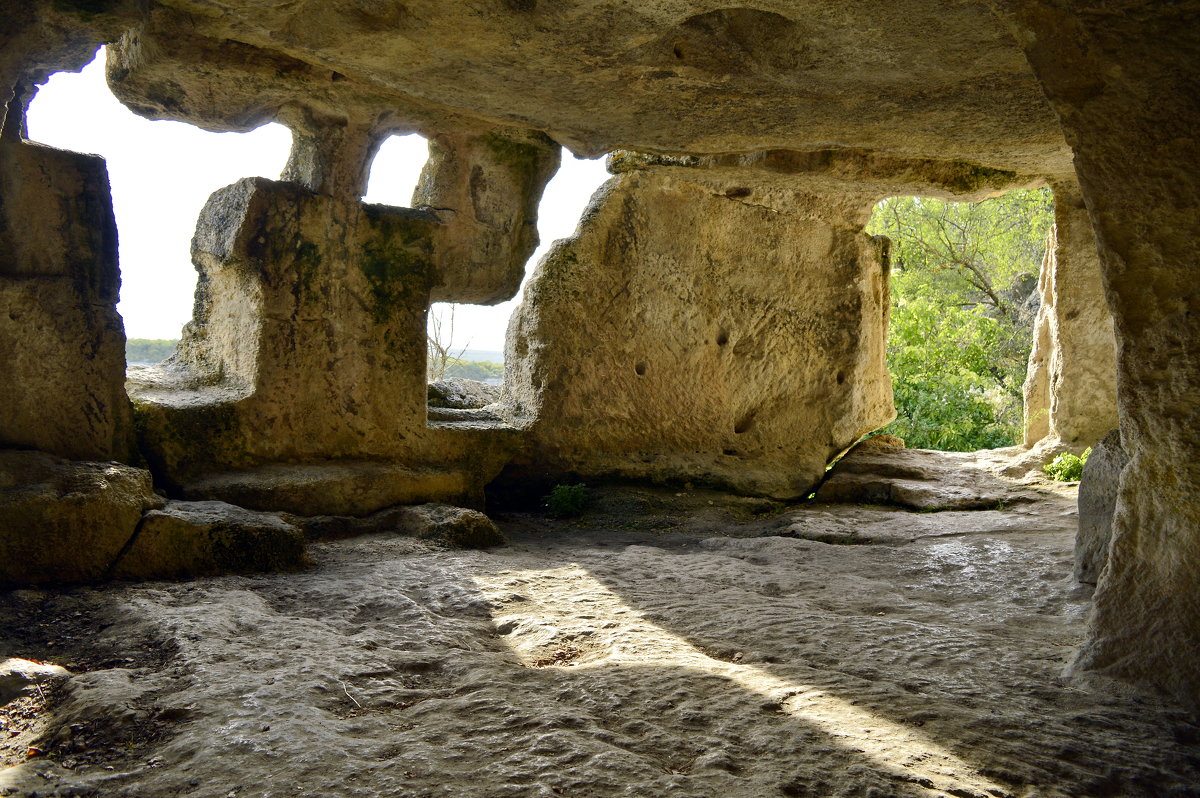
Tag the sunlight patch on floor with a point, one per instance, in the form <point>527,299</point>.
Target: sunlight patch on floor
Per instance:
<point>539,613</point>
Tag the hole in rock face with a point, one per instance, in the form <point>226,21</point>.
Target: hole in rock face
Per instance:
<point>161,174</point>
<point>744,424</point>
<point>396,169</point>
<point>640,368</point>
<point>841,377</point>
<point>480,330</point>
<point>738,192</point>
<point>964,290</point>
<point>722,338</point>
<point>677,50</point>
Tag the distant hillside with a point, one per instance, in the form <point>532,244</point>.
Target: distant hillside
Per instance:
<point>139,351</point>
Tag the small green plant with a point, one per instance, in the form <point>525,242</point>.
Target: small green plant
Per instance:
<point>1067,467</point>
<point>567,501</point>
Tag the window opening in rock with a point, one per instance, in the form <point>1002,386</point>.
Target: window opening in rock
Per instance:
<point>161,174</point>
<point>467,341</point>
<point>964,286</point>
<point>396,169</point>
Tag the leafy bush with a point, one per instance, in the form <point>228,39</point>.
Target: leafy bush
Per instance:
<point>567,501</point>
<point>1067,467</point>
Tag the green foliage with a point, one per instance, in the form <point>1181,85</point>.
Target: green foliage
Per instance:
<point>961,326</point>
<point>1067,467</point>
<point>473,369</point>
<point>567,501</point>
<point>148,350</point>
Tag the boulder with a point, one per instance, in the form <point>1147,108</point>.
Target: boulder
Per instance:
<point>456,527</point>
<point>1097,504</point>
<point>189,539</point>
<point>21,676</point>
<point>462,394</point>
<point>64,520</point>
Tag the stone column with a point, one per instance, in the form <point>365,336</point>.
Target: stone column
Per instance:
<point>704,327</point>
<point>1127,98</point>
<point>1070,393</point>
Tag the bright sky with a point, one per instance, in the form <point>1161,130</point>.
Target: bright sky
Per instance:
<point>163,172</point>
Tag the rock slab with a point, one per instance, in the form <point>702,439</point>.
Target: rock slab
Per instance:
<point>915,478</point>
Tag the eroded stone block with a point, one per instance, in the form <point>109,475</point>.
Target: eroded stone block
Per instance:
<point>61,339</point>
<point>190,539</point>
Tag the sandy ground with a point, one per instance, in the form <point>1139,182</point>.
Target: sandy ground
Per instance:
<point>662,645</point>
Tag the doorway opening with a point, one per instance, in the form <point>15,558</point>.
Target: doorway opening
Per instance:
<point>964,287</point>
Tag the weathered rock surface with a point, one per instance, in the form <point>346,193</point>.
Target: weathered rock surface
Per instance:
<point>698,329</point>
<point>21,676</point>
<point>1097,504</point>
<point>919,479</point>
<point>190,539</point>
<point>1071,387</point>
<point>1022,86</point>
<point>66,521</point>
<point>343,487</point>
<point>462,394</point>
<point>307,353</point>
<point>63,343</point>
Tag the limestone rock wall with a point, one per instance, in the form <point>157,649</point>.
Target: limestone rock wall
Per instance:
<point>1129,109</point>
<point>702,331</point>
<point>1071,391</point>
<point>1098,490</point>
<point>300,382</point>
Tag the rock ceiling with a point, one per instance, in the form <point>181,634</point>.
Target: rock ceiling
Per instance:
<point>922,78</point>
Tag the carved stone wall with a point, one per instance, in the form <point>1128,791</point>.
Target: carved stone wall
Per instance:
<point>983,94</point>
<point>1129,110</point>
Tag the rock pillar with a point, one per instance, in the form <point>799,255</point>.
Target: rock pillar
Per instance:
<point>62,343</point>
<point>706,329</point>
<point>1070,393</point>
<point>1129,112</point>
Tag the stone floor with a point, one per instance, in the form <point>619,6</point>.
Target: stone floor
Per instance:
<point>668,642</point>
